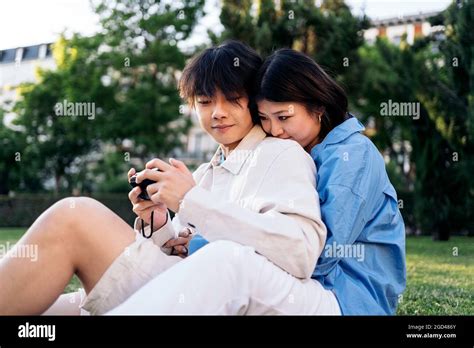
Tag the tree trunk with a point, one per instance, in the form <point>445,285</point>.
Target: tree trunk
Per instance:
<point>57,179</point>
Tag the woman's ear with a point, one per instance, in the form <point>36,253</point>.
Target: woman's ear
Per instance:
<point>319,113</point>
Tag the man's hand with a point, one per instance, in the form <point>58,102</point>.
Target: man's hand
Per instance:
<point>143,208</point>
<point>180,245</point>
<point>173,181</point>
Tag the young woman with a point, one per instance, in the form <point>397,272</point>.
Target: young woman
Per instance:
<point>298,100</point>
<point>255,201</point>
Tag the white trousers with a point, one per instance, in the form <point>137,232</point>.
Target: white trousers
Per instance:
<point>225,277</point>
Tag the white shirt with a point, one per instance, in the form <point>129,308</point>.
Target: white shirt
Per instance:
<point>263,195</point>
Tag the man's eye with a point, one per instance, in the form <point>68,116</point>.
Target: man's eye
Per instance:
<point>204,102</point>
<point>263,118</point>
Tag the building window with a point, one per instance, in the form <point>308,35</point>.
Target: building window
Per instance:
<point>42,51</point>
<point>19,55</point>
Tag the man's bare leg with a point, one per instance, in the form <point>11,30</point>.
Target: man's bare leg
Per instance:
<point>74,236</point>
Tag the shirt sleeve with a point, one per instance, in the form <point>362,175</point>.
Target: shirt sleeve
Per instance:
<point>160,236</point>
<point>284,222</point>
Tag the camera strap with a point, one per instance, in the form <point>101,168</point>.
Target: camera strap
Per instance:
<point>151,227</point>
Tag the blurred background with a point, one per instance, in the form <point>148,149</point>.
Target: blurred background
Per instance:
<point>88,90</point>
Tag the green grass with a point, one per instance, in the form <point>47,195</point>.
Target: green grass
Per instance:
<point>439,283</point>
<point>10,234</point>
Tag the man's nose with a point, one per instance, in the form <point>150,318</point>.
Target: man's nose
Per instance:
<point>219,111</point>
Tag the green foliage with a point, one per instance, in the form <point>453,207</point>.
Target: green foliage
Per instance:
<point>111,173</point>
<point>438,143</point>
<point>11,142</point>
<point>53,142</point>
<point>443,142</point>
<point>127,74</point>
<point>22,209</point>
<point>329,33</point>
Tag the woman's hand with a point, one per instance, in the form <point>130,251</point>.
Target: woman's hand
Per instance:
<point>180,245</point>
<point>143,208</point>
<point>173,181</point>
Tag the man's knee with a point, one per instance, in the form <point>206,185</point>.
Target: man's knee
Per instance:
<point>67,213</point>
<point>71,207</point>
<point>77,202</point>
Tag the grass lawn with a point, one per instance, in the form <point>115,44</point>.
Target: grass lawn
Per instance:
<point>439,282</point>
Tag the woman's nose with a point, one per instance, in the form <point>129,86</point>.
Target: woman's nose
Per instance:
<point>276,130</point>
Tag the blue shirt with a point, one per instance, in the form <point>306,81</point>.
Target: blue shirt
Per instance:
<point>363,261</point>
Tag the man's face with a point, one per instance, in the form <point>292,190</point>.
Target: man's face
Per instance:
<point>226,120</point>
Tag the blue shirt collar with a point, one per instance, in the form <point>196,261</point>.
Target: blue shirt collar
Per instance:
<point>339,134</point>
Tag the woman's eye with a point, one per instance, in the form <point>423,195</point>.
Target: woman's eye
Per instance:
<point>204,102</point>
<point>283,118</point>
<point>263,118</point>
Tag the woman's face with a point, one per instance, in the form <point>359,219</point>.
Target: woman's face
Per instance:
<point>227,121</point>
<point>287,120</point>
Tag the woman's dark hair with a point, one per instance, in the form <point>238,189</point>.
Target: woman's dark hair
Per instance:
<point>230,67</point>
<point>291,76</point>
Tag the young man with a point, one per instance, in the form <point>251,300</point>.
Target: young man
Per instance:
<point>253,202</point>
<point>257,193</point>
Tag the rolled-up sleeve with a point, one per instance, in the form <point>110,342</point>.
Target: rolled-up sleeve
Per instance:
<point>160,236</point>
<point>283,223</point>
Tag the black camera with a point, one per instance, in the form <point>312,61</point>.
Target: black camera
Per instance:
<point>143,185</point>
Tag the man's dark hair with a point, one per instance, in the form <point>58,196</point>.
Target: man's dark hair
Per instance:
<point>291,76</point>
<point>230,67</point>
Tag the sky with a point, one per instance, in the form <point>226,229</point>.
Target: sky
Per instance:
<point>30,22</point>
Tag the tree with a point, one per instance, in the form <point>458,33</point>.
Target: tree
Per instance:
<point>127,74</point>
<point>54,139</point>
<point>11,169</point>
<point>140,50</point>
<point>446,160</point>
<point>441,156</point>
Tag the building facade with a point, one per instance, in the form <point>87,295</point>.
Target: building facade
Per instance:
<point>395,28</point>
